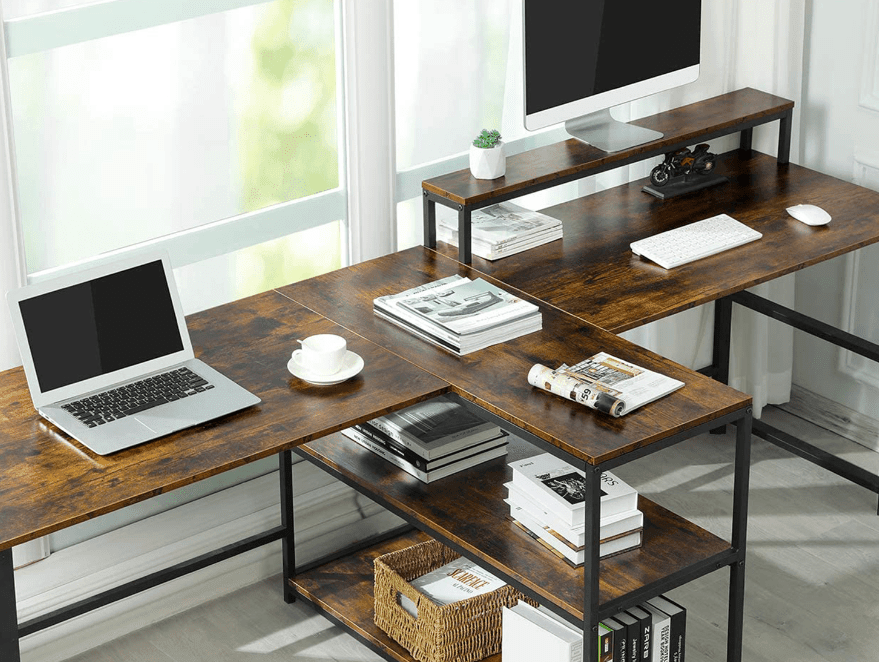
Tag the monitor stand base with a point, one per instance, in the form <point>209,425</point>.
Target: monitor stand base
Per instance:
<point>601,130</point>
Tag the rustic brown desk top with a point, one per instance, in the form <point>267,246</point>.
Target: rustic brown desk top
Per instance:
<point>715,116</point>
<point>495,377</point>
<point>48,481</point>
<point>593,274</point>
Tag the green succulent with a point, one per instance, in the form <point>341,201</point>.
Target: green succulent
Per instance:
<point>487,139</point>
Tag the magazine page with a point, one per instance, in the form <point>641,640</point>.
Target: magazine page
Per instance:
<point>467,308</point>
<point>388,301</point>
<point>501,223</point>
<point>604,383</point>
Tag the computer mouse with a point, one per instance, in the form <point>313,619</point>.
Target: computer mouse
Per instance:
<point>809,214</point>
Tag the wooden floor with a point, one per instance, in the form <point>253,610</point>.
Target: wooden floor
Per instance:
<point>812,571</point>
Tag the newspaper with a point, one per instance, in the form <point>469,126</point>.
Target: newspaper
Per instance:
<point>604,383</point>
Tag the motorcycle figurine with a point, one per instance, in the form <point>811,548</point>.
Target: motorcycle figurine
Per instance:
<point>682,163</point>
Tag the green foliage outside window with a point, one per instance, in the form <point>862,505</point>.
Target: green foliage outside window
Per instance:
<point>288,137</point>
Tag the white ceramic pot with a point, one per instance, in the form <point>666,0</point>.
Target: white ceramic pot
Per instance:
<point>488,163</point>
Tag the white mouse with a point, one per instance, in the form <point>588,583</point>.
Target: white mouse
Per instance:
<point>809,214</point>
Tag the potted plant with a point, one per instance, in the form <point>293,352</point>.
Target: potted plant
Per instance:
<point>488,159</point>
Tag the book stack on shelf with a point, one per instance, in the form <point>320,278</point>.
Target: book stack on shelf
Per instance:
<point>500,230</point>
<point>547,501</point>
<point>460,315</point>
<point>654,631</point>
<point>431,440</point>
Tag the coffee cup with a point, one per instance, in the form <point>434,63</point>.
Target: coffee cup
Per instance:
<point>322,354</point>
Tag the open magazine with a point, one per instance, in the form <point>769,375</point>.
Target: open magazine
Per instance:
<point>605,383</point>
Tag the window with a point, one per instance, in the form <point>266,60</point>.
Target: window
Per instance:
<point>215,137</point>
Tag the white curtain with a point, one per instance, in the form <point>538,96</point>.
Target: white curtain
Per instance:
<point>11,261</point>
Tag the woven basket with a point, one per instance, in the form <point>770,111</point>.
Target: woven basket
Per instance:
<point>464,631</point>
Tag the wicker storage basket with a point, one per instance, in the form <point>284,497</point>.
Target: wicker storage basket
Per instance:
<point>464,631</point>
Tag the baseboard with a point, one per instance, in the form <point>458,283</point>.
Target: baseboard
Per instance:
<point>833,416</point>
<point>329,516</point>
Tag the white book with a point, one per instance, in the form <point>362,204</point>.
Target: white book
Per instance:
<point>455,581</point>
<point>530,635</point>
<point>576,556</point>
<point>661,644</point>
<point>560,488</point>
<point>609,527</point>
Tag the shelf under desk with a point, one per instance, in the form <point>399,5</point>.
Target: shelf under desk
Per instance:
<point>467,512</point>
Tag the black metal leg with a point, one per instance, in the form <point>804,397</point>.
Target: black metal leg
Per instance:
<point>784,132</point>
<point>735,622</point>
<point>288,542</point>
<point>464,255</point>
<point>428,217</point>
<point>722,336</point>
<point>746,138</point>
<point>8,614</point>
<point>591,564</point>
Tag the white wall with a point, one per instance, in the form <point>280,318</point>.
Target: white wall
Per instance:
<point>839,135</point>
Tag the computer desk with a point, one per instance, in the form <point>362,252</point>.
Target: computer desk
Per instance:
<point>49,482</point>
<point>593,274</point>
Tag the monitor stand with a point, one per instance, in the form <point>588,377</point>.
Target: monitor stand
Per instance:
<point>601,130</point>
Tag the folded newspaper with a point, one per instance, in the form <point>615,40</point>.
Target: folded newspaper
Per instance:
<point>605,383</point>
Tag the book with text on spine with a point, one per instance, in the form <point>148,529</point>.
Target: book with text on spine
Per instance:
<point>436,427</point>
<point>609,527</point>
<point>561,488</point>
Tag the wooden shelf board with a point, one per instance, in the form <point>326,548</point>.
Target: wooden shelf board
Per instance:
<point>467,510</point>
<point>344,590</point>
<point>716,116</point>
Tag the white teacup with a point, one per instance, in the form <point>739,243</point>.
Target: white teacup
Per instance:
<point>322,354</point>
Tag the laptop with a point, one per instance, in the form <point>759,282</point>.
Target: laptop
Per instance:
<point>108,357</point>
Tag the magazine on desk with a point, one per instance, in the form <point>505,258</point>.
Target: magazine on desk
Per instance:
<point>500,230</point>
<point>605,383</point>
<point>459,314</point>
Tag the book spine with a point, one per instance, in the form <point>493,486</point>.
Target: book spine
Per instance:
<point>390,457</point>
<point>383,426</point>
<point>605,644</point>
<point>388,444</point>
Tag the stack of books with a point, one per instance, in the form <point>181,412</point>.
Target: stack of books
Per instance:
<point>431,440</point>
<point>459,314</point>
<point>654,631</point>
<point>547,501</point>
<point>500,230</point>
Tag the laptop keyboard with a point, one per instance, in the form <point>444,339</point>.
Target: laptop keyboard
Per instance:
<point>138,396</point>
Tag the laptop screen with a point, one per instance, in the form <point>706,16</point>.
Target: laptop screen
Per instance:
<point>106,324</point>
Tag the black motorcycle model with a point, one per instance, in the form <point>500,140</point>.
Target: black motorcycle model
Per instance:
<point>683,163</point>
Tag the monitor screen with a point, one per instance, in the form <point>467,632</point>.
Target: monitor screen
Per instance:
<point>577,51</point>
<point>100,326</point>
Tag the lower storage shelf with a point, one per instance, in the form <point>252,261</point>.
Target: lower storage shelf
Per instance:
<point>466,511</point>
<point>343,590</point>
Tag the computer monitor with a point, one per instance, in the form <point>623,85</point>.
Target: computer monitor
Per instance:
<point>582,57</point>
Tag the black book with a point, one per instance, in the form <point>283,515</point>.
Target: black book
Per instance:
<point>645,628</point>
<point>678,615</point>
<point>419,462</point>
<point>633,635</point>
<point>620,643</point>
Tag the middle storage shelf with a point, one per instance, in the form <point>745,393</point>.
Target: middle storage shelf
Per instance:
<point>467,512</point>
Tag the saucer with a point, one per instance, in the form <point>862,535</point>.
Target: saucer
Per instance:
<point>351,365</point>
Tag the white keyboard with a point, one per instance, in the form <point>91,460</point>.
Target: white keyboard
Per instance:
<point>694,241</point>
